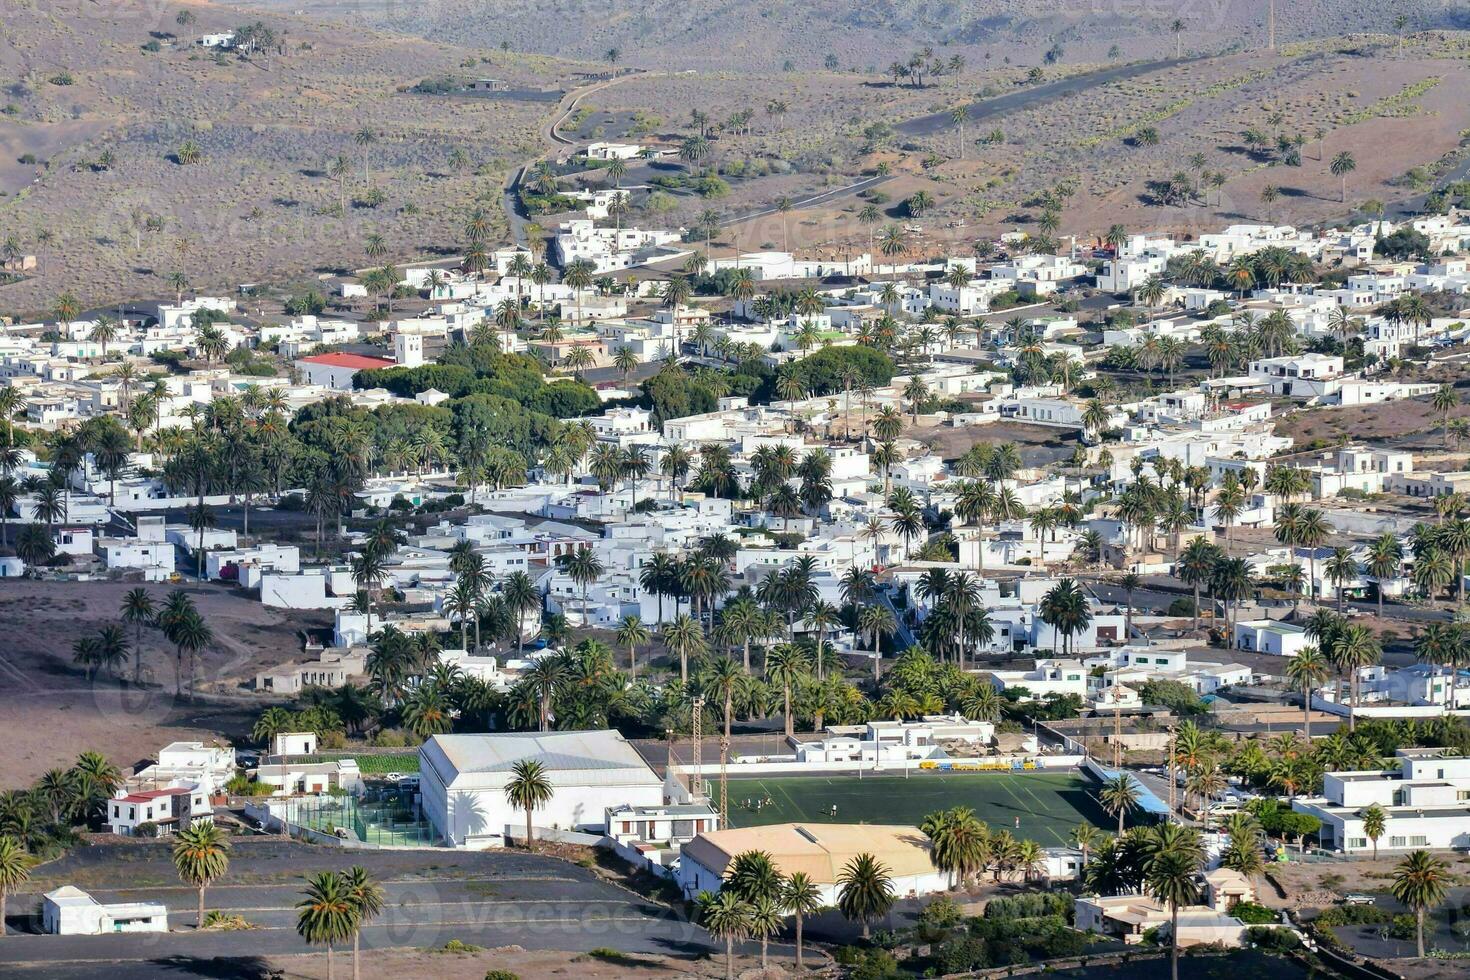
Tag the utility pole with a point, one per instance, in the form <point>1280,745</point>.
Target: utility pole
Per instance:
<point>1171,770</point>
<point>724,785</point>
<point>696,778</point>
<point>1117,729</point>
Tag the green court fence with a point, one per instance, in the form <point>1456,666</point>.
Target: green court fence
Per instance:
<point>388,821</point>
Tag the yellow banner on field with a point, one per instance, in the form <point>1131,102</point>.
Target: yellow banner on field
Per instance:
<point>999,766</point>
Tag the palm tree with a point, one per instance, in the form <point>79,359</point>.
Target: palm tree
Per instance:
<point>201,854</point>
<point>1342,165</point>
<point>1341,568</point>
<point>583,567</point>
<point>765,920</point>
<point>632,632</point>
<point>801,898</point>
<point>138,609</point>
<point>785,664</point>
<point>1086,837</point>
<point>684,636</point>
<point>1118,797</point>
<point>1375,822</point>
<point>327,913</point>
<point>1419,881</point>
<point>15,869</point>
<point>1385,555</point>
<point>1307,670</point>
<point>367,899</point>
<point>1170,879</point>
<point>529,787</point>
<point>727,918</point>
<point>865,890</point>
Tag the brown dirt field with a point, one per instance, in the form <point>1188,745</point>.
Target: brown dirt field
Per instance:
<point>395,964</point>
<point>1304,888</point>
<point>1415,420</point>
<point>1038,443</point>
<point>51,711</point>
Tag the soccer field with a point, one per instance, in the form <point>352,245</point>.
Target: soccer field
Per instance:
<point>1048,804</point>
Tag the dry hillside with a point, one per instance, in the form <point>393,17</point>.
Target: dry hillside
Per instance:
<point>763,35</point>
<point>100,100</point>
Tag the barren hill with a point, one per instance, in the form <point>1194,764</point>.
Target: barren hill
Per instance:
<point>765,35</point>
<point>129,152</point>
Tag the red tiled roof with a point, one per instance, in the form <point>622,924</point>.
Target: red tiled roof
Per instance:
<point>358,362</point>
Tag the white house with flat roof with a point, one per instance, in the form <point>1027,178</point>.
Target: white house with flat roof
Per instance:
<point>463,780</point>
<point>1047,677</point>
<point>1269,636</point>
<point>1426,799</point>
<point>69,911</point>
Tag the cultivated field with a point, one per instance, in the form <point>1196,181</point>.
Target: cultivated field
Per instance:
<point>52,711</point>
<point>1048,805</point>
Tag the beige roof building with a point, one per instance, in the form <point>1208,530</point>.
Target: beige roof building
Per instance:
<point>819,850</point>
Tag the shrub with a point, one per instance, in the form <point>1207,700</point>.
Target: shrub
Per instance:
<point>458,946</point>
<point>1029,905</point>
<point>501,975</point>
<point>146,829</point>
<point>1181,607</point>
<point>226,921</point>
<point>941,913</point>
<point>1253,913</point>
<point>1403,926</point>
<point>963,955</point>
<point>1352,915</point>
<point>1276,940</point>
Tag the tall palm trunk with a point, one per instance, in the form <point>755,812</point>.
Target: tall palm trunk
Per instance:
<point>1174,940</point>
<point>799,966</point>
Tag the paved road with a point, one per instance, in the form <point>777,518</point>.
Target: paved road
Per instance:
<point>568,104</point>
<point>1035,95</point>
<point>488,899</point>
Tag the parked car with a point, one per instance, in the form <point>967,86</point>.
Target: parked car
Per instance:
<point>1358,899</point>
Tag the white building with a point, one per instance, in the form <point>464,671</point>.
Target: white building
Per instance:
<point>159,811</point>
<point>897,741</point>
<point>1269,636</point>
<point>69,911</point>
<point>674,823</point>
<point>1128,917</point>
<point>1426,800</point>
<point>337,370</point>
<point>463,779</point>
<point>1047,677</point>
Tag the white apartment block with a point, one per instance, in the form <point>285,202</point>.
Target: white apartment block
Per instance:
<point>1426,798</point>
